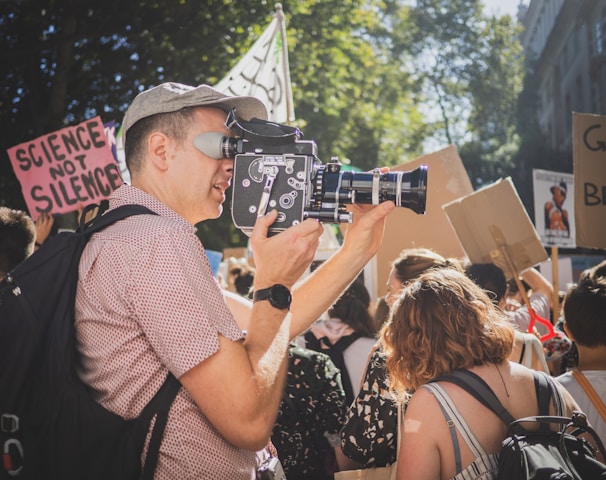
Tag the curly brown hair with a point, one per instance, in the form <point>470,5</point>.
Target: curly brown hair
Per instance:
<point>441,322</point>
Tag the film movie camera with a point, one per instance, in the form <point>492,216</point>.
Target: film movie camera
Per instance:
<point>275,169</point>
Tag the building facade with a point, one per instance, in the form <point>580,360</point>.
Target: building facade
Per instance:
<point>565,44</point>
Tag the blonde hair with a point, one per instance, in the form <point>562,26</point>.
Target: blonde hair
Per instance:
<point>441,322</point>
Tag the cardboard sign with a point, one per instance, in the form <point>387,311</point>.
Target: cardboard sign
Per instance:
<point>554,207</point>
<point>67,169</point>
<point>589,161</point>
<point>447,180</point>
<point>493,226</point>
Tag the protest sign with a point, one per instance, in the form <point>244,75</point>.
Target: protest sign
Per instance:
<point>67,169</point>
<point>553,206</point>
<point>493,227</point>
<point>589,163</point>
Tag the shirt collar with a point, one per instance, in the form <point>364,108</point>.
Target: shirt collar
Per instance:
<point>127,194</point>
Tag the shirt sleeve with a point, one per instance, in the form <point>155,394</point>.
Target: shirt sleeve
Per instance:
<point>521,317</point>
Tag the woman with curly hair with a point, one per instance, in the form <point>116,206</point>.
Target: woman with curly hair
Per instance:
<point>369,436</point>
<point>442,322</point>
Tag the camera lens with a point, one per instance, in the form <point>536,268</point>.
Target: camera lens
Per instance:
<point>406,189</point>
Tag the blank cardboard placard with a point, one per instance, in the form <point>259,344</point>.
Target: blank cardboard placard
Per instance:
<point>447,180</point>
<point>589,163</point>
<point>493,226</point>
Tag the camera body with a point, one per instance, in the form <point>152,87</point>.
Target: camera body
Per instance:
<point>293,171</point>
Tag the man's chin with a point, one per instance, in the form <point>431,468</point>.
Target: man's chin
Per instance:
<point>211,215</point>
<point>218,213</point>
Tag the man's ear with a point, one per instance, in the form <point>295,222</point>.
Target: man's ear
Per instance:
<point>158,147</point>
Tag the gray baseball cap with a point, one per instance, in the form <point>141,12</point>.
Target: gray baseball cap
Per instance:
<point>170,97</point>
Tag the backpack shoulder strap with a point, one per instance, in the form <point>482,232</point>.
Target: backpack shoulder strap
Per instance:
<point>543,390</point>
<point>550,387</point>
<point>480,390</point>
<point>111,216</point>
<point>159,405</point>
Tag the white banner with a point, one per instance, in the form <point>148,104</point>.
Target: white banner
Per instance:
<point>263,72</point>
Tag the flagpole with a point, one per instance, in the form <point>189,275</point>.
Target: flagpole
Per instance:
<point>290,114</point>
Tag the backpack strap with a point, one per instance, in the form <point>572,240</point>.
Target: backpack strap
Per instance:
<point>110,216</point>
<point>548,391</point>
<point>479,389</point>
<point>543,393</point>
<point>543,389</point>
<point>159,406</point>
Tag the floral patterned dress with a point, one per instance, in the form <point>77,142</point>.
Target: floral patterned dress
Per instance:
<point>311,415</point>
<point>370,433</point>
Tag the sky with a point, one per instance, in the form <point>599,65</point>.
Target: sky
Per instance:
<point>503,7</point>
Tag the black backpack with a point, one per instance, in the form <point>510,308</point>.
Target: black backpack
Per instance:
<point>539,453</point>
<point>50,426</point>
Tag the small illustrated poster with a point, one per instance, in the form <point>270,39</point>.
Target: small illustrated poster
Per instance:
<point>554,208</point>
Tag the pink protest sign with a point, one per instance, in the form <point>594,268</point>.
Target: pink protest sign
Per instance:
<point>67,169</point>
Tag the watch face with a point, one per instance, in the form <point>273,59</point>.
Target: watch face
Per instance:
<point>279,296</point>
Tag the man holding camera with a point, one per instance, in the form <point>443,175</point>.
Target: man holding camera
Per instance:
<point>147,303</point>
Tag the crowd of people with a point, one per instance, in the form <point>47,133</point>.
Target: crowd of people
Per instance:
<point>320,374</point>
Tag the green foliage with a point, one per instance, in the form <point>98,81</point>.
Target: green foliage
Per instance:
<point>496,85</point>
<point>348,93</point>
<point>470,67</point>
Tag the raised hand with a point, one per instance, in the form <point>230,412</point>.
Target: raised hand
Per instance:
<point>44,225</point>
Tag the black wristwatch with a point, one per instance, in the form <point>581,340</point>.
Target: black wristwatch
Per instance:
<point>278,295</point>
